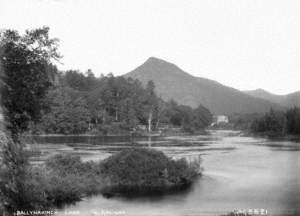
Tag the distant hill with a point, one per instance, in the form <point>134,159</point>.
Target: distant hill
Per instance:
<point>173,83</point>
<point>288,100</point>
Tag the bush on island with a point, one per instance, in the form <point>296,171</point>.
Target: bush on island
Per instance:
<point>144,171</point>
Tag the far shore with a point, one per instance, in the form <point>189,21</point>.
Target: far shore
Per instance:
<point>172,133</point>
<point>139,134</point>
<point>267,135</point>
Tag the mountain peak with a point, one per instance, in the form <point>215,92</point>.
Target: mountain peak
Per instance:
<point>155,60</point>
<point>156,67</point>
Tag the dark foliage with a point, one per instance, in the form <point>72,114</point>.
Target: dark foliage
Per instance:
<point>239,121</point>
<point>109,105</point>
<point>140,170</point>
<point>67,114</point>
<point>25,63</point>
<point>190,120</point>
<point>293,120</point>
<point>278,123</point>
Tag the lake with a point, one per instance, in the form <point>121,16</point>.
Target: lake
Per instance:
<point>239,173</point>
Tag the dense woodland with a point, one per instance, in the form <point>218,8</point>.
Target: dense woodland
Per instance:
<point>278,122</point>
<point>79,103</point>
<point>273,123</point>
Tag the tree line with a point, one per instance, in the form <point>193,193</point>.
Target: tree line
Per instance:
<point>81,102</point>
<point>278,122</point>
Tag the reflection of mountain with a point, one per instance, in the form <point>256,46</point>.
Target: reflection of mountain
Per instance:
<point>288,100</point>
<point>173,83</point>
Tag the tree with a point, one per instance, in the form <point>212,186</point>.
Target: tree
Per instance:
<point>273,122</point>
<point>75,80</point>
<point>91,80</point>
<point>202,117</point>
<point>68,113</point>
<point>159,111</point>
<point>128,113</point>
<point>293,120</point>
<point>172,113</point>
<point>150,103</point>
<point>24,62</point>
<point>97,110</point>
<point>188,119</point>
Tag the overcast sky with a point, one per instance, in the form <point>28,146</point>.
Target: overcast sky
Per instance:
<point>243,44</point>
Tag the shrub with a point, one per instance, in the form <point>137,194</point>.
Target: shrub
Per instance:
<point>67,164</point>
<point>61,180</point>
<point>63,189</point>
<point>141,170</point>
<point>68,169</point>
<point>30,193</point>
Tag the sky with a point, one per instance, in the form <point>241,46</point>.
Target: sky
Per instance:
<point>245,44</point>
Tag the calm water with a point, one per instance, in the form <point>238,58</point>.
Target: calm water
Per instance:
<point>239,173</point>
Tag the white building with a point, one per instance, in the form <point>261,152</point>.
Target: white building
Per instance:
<point>222,119</point>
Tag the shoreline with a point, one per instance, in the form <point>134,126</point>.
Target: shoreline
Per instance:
<point>288,137</point>
<point>164,134</point>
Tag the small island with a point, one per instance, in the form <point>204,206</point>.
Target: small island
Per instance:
<point>141,171</point>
